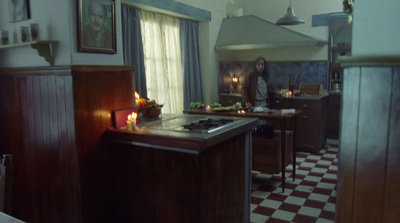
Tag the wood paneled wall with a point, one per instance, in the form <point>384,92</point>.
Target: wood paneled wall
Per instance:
<point>52,120</point>
<point>369,158</point>
<point>97,92</point>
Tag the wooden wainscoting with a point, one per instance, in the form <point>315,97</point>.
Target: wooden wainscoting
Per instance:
<point>52,122</point>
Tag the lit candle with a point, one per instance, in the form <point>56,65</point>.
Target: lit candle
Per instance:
<point>129,123</point>
<point>137,96</point>
<point>241,112</point>
<point>208,108</point>
<point>134,115</point>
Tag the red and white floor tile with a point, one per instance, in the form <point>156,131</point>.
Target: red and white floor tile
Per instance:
<point>309,199</point>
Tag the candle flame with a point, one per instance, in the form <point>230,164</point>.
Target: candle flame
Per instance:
<point>137,96</point>
<point>241,112</point>
<point>134,115</point>
<point>129,117</point>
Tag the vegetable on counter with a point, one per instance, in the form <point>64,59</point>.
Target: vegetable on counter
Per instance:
<point>196,105</point>
<point>238,105</point>
<point>216,105</point>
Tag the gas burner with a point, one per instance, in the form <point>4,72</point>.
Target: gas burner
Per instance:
<point>206,124</point>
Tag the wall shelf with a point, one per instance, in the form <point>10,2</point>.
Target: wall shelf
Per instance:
<point>44,48</point>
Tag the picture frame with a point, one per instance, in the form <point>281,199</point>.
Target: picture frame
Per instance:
<point>96,26</point>
<point>18,10</point>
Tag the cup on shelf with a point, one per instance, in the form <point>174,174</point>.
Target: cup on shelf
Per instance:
<point>4,40</point>
<point>34,31</point>
<point>337,87</point>
<point>25,34</point>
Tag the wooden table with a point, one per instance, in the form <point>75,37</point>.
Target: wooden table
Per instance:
<point>271,114</point>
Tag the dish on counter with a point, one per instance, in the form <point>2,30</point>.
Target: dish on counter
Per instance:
<point>229,108</point>
<point>260,109</point>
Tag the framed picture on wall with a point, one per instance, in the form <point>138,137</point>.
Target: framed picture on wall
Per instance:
<point>18,10</point>
<point>96,26</point>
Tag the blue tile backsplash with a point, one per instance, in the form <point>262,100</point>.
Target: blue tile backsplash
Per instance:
<point>281,73</point>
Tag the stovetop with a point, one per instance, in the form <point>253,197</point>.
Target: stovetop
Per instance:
<point>206,124</point>
<point>190,124</point>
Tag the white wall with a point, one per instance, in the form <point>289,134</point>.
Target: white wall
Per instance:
<point>53,24</point>
<point>57,21</point>
<point>376,28</point>
<point>272,10</point>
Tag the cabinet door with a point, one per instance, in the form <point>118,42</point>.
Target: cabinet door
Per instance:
<point>308,131</point>
<point>333,116</point>
<point>308,125</point>
<point>229,99</point>
<point>279,103</point>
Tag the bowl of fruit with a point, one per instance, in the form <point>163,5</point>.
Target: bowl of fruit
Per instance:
<point>149,108</point>
<point>152,110</point>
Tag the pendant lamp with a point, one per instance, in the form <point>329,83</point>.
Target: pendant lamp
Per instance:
<point>290,18</point>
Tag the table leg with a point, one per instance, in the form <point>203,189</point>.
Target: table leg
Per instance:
<point>283,152</point>
<point>294,150</point>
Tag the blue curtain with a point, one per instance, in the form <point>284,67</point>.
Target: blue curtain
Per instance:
<point>133,46</point>
<point>192,84</point>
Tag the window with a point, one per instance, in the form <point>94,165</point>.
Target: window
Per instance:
<point>162,56</point>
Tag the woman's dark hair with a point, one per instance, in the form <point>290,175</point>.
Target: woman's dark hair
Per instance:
<point>265,73</point>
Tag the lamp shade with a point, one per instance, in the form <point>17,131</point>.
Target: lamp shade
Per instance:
<point>290,18</point>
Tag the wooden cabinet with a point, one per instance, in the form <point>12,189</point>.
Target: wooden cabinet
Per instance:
<point>333,116</point>
<point>311,125</point>
<point>279,103</point>
<point>229,99</point>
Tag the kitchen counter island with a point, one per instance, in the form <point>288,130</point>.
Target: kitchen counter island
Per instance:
<point>162,172</point>
<point>284,118</point>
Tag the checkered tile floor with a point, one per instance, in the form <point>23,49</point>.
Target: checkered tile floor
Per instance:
<point>309,199</point>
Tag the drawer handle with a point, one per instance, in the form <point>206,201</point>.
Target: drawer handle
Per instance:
<point>277,102</point>
<point>305,106</point>
<point>305,116</point>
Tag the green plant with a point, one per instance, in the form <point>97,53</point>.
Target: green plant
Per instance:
<point>348,7</point>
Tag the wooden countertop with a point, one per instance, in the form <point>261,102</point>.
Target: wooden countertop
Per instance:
<point>164,135</point>
<point>270,114</point>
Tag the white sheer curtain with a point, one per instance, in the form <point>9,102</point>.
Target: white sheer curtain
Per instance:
<point>162,55</point>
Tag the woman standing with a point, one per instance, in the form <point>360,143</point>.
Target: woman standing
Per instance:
<point>256,87</point>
